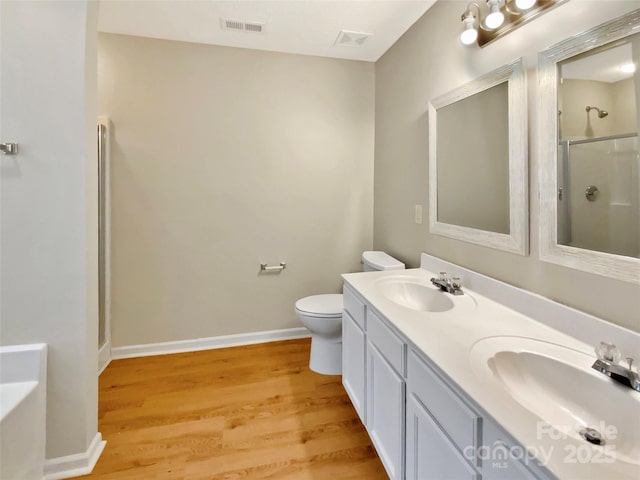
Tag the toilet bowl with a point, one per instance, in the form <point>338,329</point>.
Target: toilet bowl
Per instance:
<point>322,315</point>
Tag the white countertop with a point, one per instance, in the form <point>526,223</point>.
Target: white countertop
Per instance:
<point>447,339</point>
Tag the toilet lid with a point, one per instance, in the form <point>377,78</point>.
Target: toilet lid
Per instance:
<point>381,261</point>
<point>321,305</point>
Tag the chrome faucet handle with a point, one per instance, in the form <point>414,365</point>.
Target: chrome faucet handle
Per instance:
<point>442,276</point>
<point>456,282</point>
<point>608,352</point>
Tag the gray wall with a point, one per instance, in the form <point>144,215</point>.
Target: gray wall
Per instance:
<point>223,158</point>
<point>575,122</point>
<point>48,217</point>
<point>428,61</point>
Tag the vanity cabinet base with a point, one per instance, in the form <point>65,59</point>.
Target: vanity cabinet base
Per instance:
<point>421,424</point>
<point>353,363</point>
<point>385,411</point>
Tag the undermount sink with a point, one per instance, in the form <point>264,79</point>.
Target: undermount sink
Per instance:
<point>558,385</point>
<point>416,295</point>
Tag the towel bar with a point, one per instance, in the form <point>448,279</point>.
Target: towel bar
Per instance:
<point>273,268</point>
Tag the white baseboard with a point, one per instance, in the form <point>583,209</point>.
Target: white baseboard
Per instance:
<point>104,356</point>
<point>75,465</point>
<point>207,343</point>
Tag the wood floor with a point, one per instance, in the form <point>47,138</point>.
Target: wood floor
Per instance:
<point>253,412</point>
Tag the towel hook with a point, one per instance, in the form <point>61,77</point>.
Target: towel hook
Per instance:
<point>9,148</point>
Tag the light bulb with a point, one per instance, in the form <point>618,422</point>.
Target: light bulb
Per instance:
<point>469,34</point>
<point>628,68</point>
<point>495,17</point>
<point>525,4</point>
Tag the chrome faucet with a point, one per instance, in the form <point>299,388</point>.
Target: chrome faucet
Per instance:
<point>607,363</point>
<point>451,285</point>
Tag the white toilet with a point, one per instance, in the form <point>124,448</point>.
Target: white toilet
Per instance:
<point>322,315</point>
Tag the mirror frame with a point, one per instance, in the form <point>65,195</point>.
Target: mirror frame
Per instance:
<point>605,264</point>
<point>517,240</point>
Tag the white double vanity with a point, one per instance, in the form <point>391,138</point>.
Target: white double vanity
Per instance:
<point>497,383</point>
<point>494,384</point>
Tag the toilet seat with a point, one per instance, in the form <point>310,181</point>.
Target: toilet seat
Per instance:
<point>321,306</point>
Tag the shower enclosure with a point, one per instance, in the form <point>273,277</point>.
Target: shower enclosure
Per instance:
<point>598,185</point>
<point>598,163</point>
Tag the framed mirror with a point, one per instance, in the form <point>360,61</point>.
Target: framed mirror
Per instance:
<point>478,161</point>
<point>589,175</point>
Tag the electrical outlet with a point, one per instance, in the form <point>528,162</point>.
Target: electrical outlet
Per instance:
<point>418,214</point>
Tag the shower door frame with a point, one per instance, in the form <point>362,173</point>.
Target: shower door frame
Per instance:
<point>104,242</point>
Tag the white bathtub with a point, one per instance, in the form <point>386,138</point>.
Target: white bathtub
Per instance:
<point>23,374</point>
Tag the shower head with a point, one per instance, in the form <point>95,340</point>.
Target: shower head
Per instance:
<point>601,113</point>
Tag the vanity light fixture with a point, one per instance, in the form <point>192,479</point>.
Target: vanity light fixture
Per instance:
<point>495,17</point>
<point>469,33</point>
<point>499,17</point>
<point>525,4</point>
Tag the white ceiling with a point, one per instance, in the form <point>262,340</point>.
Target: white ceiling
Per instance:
<point>602,67</point>
<point>308,27</point>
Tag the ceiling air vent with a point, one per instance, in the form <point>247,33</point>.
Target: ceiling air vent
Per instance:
<point>253,27</point>
<point>239,25</point>
<point>351,39</point>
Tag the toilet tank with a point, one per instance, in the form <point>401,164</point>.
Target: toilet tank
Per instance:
<point>374,260</point>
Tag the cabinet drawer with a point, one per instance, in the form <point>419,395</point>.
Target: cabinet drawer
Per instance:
<point>454,416</point>
<point>388,343</point>
<point>354,306</point>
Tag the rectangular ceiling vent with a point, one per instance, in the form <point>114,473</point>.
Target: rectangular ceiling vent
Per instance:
<point>239,25</point>
<point>347,38</point>
<point>253,27</point>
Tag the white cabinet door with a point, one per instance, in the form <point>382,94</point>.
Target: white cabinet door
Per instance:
<point>500,461</point>
<point>385,412</point>
<point>353,363</point>
<point>430,454</point>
